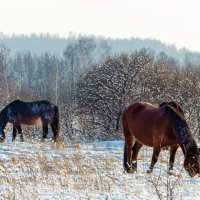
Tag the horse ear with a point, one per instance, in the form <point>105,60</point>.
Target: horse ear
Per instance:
<point>162,104</point>
<point>173,104</point>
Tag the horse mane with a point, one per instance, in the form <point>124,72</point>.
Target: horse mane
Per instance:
<point>13,102</point>
<point>184,134</point>
<point>174,105</point>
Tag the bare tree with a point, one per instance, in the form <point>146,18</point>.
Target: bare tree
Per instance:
<point>106,89</point>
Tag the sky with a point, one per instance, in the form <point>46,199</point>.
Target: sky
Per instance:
<point>171,21</point>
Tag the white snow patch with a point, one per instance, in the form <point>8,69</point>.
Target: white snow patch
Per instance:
<point>44,170</point>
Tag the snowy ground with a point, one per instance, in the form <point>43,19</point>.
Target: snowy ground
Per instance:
<point>44,170</point>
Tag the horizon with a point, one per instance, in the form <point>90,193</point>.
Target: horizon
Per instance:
<point>171,22</point>
<point>76,35</point>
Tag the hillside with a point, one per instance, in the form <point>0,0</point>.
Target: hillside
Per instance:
<point>54,44</point>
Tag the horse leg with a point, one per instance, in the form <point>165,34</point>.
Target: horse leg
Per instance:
<point>135,150</point>
<point>173,150</point>
<point>14,133</point>
<point>156,151</point>
<point>55,124</point>
<point>45,130</point>
<point>127,146</point>
<point>19,128</point>
<point>128,153</point>
<point>126,168</point>
<point>55,129</point>
<point>127,157</point>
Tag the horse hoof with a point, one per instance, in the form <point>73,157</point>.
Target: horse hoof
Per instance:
<point>1,139</point>
<point>171,172</point>
<point>131,171</point>
<point>149,171</point>
<point>55,139</point>
<point>134,169</point>
<point>44,140</point>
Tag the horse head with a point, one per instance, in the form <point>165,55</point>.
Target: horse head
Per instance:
<point>192,162</point>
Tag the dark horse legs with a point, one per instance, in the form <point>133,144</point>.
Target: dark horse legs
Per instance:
<point>19,129</point>
<point>156,151</point>
<point>127,149</point>
<point>155,155</point>
<point>127,157</point>
<point>54,125</point>
<point>135,150</point>
<point>14,133</point>
<point>55,130</point>
<point>130,155</point>
<point>45,130</point>
<point>173,150</point>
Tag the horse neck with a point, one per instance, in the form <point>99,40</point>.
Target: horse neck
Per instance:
<point>3,118</point>
<point>186,140</point>
<point>188,147</point>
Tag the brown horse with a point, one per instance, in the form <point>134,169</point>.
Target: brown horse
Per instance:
<point>158,127</point>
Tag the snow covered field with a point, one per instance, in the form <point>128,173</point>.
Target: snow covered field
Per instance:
<point>44,170</point>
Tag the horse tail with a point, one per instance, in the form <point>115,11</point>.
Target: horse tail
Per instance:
<point>128,143</point>
<point>55,125</point>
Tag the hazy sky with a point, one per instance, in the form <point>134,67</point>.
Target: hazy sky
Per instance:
<point>171,21</point>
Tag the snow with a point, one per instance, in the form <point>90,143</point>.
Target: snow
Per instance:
<point>45,170</point>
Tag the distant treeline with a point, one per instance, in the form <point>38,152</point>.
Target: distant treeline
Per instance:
<point>38,44</point>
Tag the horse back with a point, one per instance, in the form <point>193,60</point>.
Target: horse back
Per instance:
<point>30,113</point>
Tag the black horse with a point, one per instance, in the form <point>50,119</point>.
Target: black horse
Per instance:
<point>29,113</point>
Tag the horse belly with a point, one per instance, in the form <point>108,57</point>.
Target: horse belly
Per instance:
<point>143,132</point>
<point>147,140</point>
<point>32,121</point>
<point>151,138</point>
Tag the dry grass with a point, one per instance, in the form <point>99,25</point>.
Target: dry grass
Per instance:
<point>48,170</point>
<point>52,168</point>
